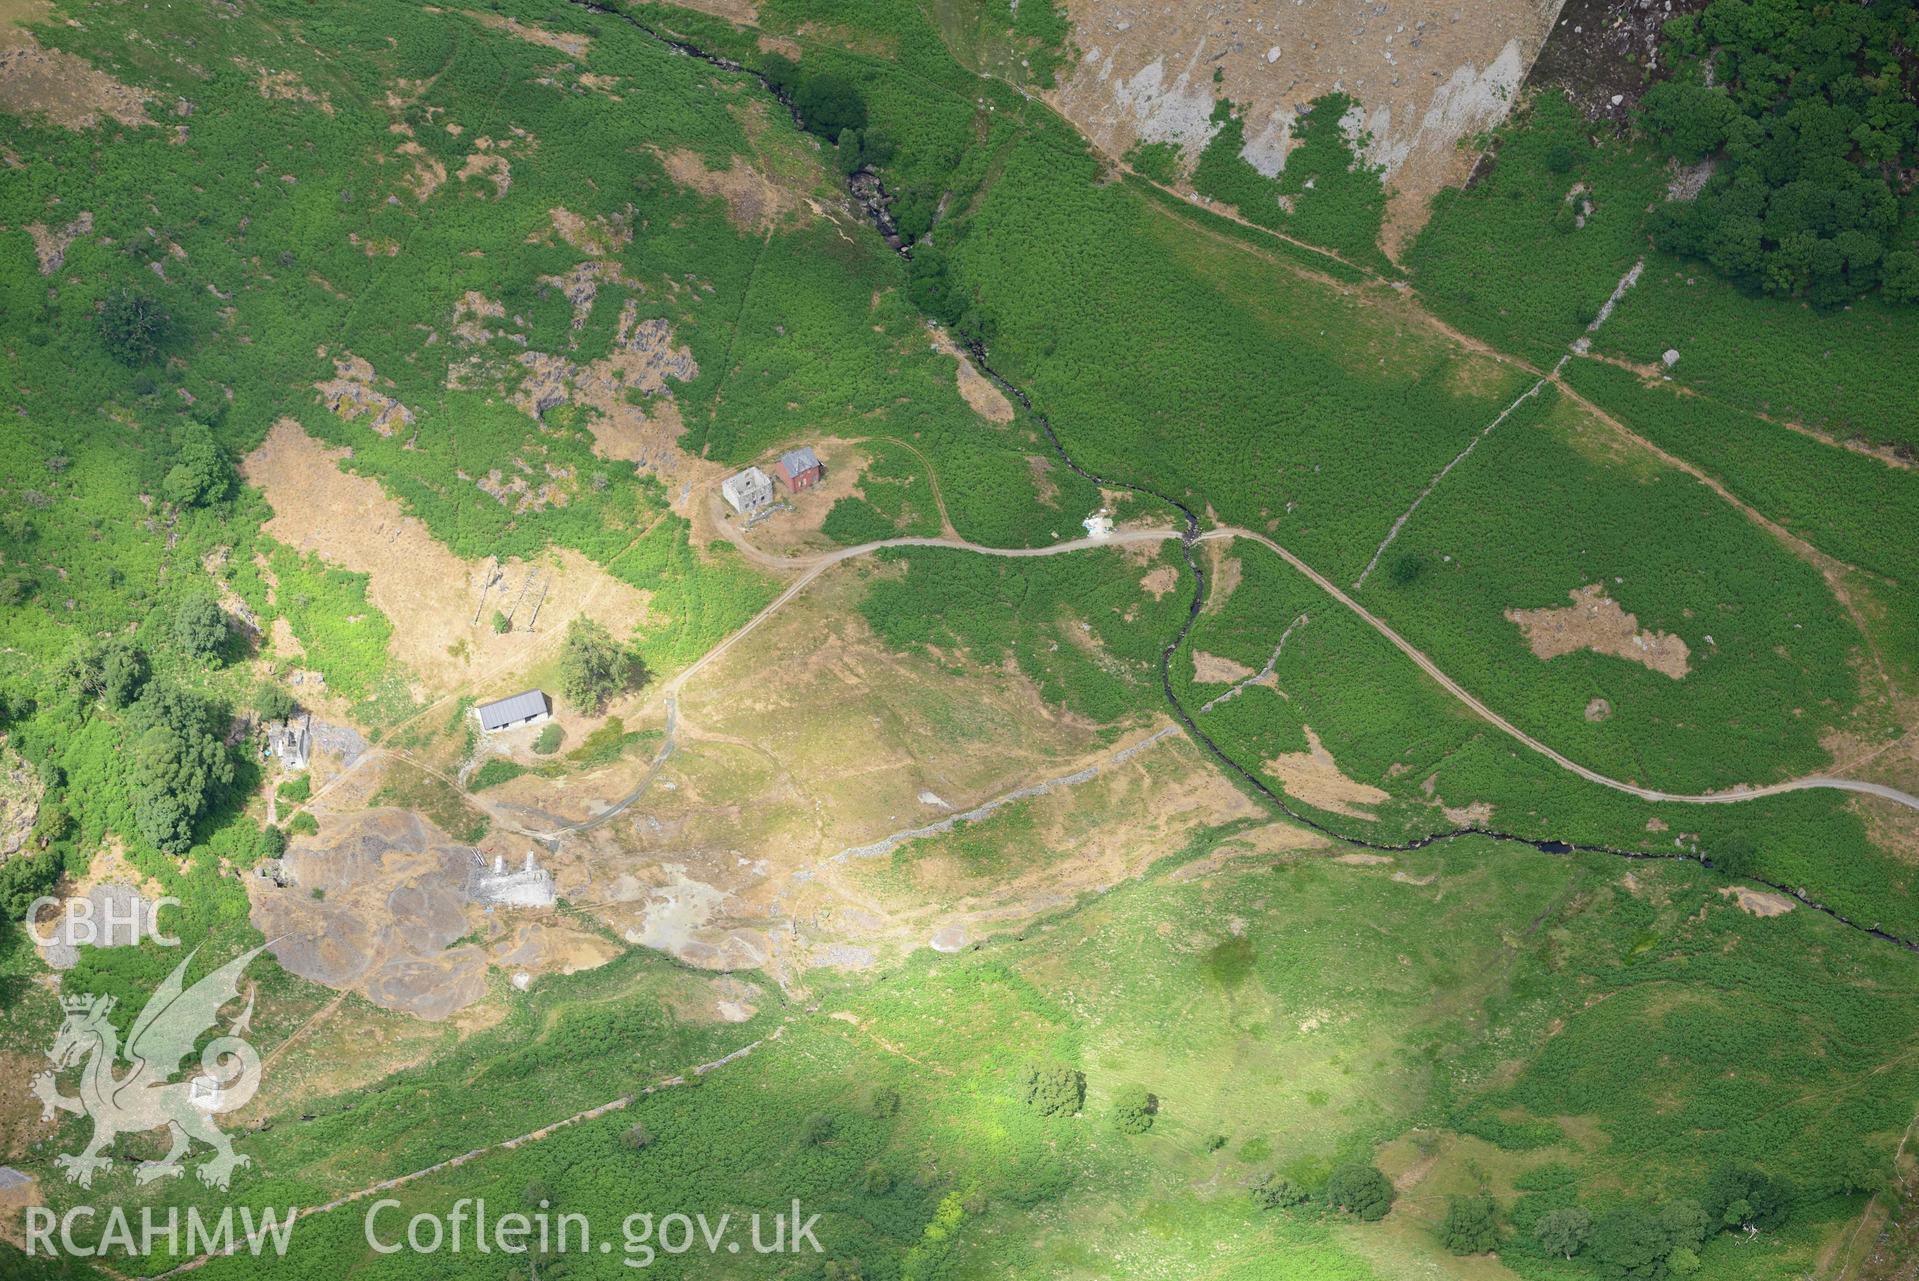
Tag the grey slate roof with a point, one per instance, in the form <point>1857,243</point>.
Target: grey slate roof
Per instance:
<point>798,461</point>
<point>511,711</point>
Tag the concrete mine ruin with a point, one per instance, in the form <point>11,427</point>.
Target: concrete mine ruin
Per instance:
<point>530,886</point>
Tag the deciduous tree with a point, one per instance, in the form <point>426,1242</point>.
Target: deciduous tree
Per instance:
<point>200,627</point>
<point>1564,1231</point>
<point>132,326</point>
<point>1361,1191</point>
<point>594,667</point>
<point>1054,1089</point>
<point>1134,1109</point>
<point>1471,1225</point>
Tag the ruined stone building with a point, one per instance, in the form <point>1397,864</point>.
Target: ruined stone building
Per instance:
<point>747,491</point>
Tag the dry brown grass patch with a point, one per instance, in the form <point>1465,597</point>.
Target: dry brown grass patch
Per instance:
<point>66,89</point>
<point>1312,776</point>
<point>50,243</point>
<point>1211,669</point>
<point>430,595</point>
<point>570,43</point>
<point>282,86</point>
<point>1758,902</point>
<point>754,201</point>
<point>600,236</point>
<point>1595,621</point>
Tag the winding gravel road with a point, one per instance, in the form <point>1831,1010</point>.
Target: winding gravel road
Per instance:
<point>1453,687</point>
<point>813,566</point>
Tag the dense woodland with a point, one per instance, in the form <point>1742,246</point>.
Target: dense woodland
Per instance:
<point>1809,114</point>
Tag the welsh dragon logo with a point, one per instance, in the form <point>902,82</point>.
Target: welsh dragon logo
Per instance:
<point>169,1025</point>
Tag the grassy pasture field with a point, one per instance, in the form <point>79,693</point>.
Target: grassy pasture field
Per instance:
<point>1544,1024</point>
<point>1276,397</point>
<point>1850,505</point>
<point>1552,503</point>
<point>1529,203</point>
<point>356,244</point>
<point>1325,194</point>
<point>1084,628</point>
<point>1282,417</point>
<point>1411,761</point>
<point>1828,370</point>
<point>895,499</point>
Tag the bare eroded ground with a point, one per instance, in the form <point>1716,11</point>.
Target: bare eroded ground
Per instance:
<point>435,599</point>
<point>980,393</point>
<point>1425,74</point>
<point>69,91</point>
<point>809,759</point>
<point>1595,621</point>
<point>1313,776</point>
<point>1211,669</point>
<point>378,905</point>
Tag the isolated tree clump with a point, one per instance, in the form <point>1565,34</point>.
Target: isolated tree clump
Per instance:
<point>1276,1192</point>
<point>124,671</point>
<point>1739,1196</point>
<point>820,1128</point>
<point>1684,1222</point>
<point>1736,856</point>
<point>200,473</point>
<point>132,326</point>
<point>594,667</point>
<point>15,588</point>
<point>1134,1109</point>
<point>1628,1242</point>
<point>1471,1225</point>
<point>114,670</point>
<point>1054,1089</point>
<point>199,627</point>
<point>273,703</point>
<point>1361,1191</point>
<point>829,104</point>
<point>1860,1170</point>
<point>864,149</point>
